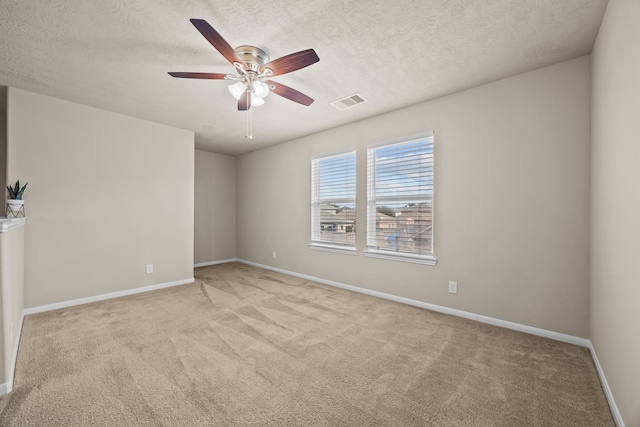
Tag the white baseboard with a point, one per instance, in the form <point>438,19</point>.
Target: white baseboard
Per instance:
<point>607,391</point>
<point>582,342</point>
<point>222,261</point>
<point>79,301</point>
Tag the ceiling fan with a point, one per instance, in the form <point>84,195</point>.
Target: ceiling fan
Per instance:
<point>253,69</point>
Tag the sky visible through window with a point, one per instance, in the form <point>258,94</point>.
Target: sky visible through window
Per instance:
<point>405,169</point>
<point>337,177</point>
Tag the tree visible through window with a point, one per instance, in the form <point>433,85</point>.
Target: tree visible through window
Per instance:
<point>400,198</point>
<point>333,200</point>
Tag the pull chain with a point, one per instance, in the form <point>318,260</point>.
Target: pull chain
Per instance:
<point>249,125</point>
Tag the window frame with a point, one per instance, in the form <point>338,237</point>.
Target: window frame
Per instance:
<point>373,250</point>
<point>316,202</point>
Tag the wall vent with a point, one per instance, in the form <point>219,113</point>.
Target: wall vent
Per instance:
<point>349,101</point>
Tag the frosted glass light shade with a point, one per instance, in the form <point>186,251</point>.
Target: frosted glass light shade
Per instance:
<point>237,89</point>
<point>260,89</point>
<point>256,102</point>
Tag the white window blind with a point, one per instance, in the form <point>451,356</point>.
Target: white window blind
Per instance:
<point>333,200</point>
<point>400,198</point>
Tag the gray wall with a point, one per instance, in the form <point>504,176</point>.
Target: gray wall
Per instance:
<point>215,207</point>
<point>511,201</point>
<point>615,205</point>
<point>107,195</point>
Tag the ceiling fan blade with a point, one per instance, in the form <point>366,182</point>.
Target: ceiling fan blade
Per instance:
<point>290,93</point>
<point>217,41</point>
<point>291,62</point>
<point>244,103</point>
<point>213,76</point>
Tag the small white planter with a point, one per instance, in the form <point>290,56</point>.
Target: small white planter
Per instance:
<point>14,207</point>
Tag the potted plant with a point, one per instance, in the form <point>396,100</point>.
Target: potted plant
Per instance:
<point>15,202</point>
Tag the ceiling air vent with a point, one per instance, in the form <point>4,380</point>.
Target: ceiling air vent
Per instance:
<point>349,101</point>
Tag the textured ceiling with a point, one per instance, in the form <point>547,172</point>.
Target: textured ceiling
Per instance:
<point>115,55</point>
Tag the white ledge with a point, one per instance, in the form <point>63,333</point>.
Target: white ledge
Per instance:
<point>101,297</point>
<point>348,250</point>
<point>398,256</point>
<point>7,224</point>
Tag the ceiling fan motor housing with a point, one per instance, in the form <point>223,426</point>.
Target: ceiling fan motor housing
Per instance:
<point>253,56</point>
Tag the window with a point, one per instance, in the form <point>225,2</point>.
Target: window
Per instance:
<point>400,200</point>
<point>333,203</point>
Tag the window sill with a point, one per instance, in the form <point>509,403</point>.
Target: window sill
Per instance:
<point>348,250</point>
<point>394,256</point>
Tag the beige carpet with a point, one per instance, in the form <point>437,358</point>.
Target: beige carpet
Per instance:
<point>245,346</point>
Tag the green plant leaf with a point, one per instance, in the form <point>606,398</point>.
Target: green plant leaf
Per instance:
<point>19,194</point>
<point>16,192</point>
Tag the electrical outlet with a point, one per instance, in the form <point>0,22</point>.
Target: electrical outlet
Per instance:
<point>274,254</point>
<point>453,287</point>
<point>149,268</point>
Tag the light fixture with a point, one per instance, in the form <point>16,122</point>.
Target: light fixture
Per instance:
<point>257,88</point>
<point>237,89</point>
<point>260,89</point>
<point>250,79</point>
